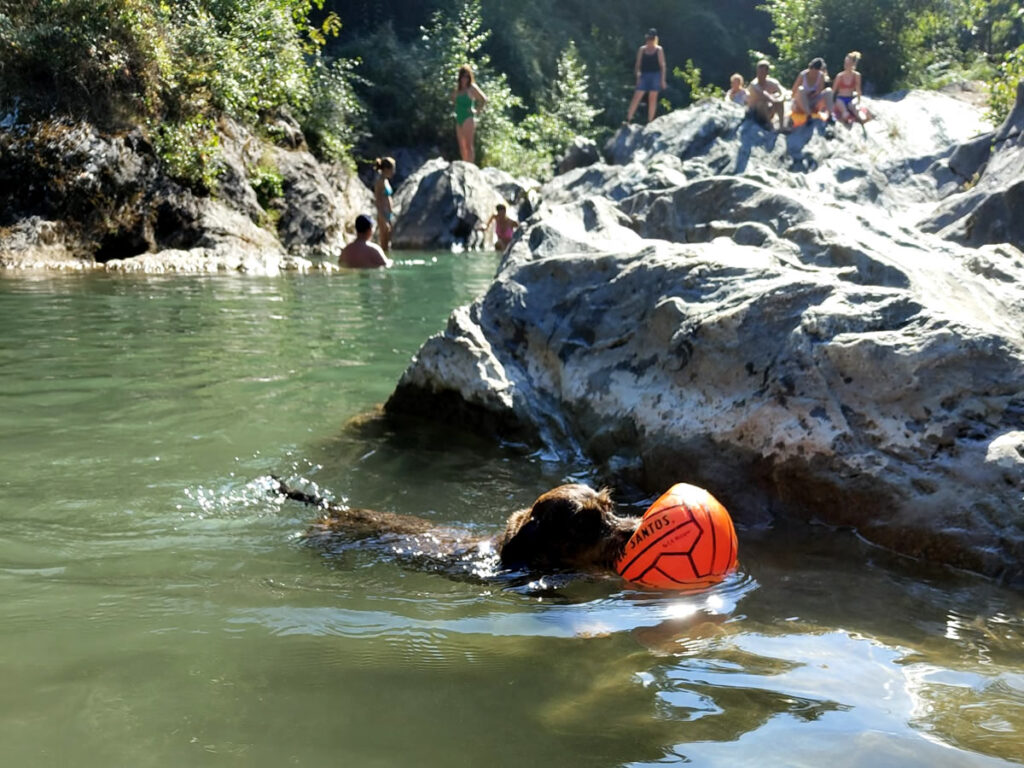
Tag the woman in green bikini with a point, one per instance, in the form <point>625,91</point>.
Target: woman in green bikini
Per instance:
<point>466,97</point>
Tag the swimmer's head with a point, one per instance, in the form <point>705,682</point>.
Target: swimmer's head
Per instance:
<point>817,63</point>
<point>853,57</point>
<point>363,224</point>
<point>763,66</point>
<point>384,164</point>
<point>500,208</point>
<point>736,80</point>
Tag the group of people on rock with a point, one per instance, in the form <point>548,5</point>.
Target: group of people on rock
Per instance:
<point>468,100</point>
<point>811,94</point>
<point>362,252</point>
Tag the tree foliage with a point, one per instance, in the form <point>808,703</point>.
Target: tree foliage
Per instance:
<point>550,70</point>
<point>1003,87</point>
<point>508,136</point>
<point>904,42</point>
<point>177,67</point>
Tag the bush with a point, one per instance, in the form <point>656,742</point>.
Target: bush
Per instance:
<point>177,67</point>
<point>102,59</point>
<point>332,116</point>
<point>1002,88</point>
<point>507,139</point>
<point>190,152</point>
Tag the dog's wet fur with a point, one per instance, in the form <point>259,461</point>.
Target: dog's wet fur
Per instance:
<point>569,528</point>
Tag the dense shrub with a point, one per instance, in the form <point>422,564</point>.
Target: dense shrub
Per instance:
<point>1003,86</point>
<point>177,67</point>
<point>904,42</point>
<point>104,59</point>
<point>507,137</point>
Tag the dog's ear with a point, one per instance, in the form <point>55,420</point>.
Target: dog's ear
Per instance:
<point>519,550</point>
<point>587,523</point>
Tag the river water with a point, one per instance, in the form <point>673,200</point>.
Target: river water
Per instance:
<point>158,608</point>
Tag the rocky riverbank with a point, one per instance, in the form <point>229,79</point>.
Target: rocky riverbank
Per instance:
<point>76,198</point>
<point>825,325</point>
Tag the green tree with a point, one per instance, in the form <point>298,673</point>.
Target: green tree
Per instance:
<point>564,114</point>
<point>177,68</point>
<point>904,42</point>
<point>449,43</point>
<point>804,29</point>
<point>1003,87</point>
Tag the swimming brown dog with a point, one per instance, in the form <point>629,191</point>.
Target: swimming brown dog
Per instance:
<point>569,528</point>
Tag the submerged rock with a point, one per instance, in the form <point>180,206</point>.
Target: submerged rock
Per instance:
<point>769,326</point>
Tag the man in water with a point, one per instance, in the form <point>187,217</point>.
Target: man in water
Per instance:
<point>361,253</point>
<point>765,99</point>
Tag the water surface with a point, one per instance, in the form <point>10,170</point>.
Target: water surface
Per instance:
<point>157,607</point>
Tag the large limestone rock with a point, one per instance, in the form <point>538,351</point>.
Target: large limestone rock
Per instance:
<point>991,209</point>
<point>797,352</point>
<point>443,204</point>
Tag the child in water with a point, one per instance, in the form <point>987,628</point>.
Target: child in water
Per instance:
<point>504,227</point>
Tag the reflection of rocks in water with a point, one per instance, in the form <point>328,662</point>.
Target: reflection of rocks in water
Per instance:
<point>705,311</point>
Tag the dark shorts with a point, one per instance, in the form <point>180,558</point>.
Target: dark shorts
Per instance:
<point>649,81</point>
<point>758,117</point>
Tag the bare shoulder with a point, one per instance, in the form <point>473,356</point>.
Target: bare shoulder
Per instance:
<point>384,260</point>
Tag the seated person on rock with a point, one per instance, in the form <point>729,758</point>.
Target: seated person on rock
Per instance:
<point>736,94</point>
<point>811,93</point>
<point>764,98</point>
<point>361,253</point>
<point>504,227</point>
<point>848,90</point>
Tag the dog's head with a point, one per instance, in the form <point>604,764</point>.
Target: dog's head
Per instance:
<point>571,526</point>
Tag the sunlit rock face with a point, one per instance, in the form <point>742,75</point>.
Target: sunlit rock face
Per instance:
<point>757,314</point>
<point>75,197</point>
<point>991,210</point>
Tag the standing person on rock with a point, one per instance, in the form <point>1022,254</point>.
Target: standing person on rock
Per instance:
<point>361,253</point>
<point>385,167</point>
<point>469,100</point>
<point>650,75</point>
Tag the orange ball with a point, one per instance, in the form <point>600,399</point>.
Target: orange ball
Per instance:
<point>685,540</point>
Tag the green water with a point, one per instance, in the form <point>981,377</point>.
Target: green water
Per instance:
<point>158,609</point>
